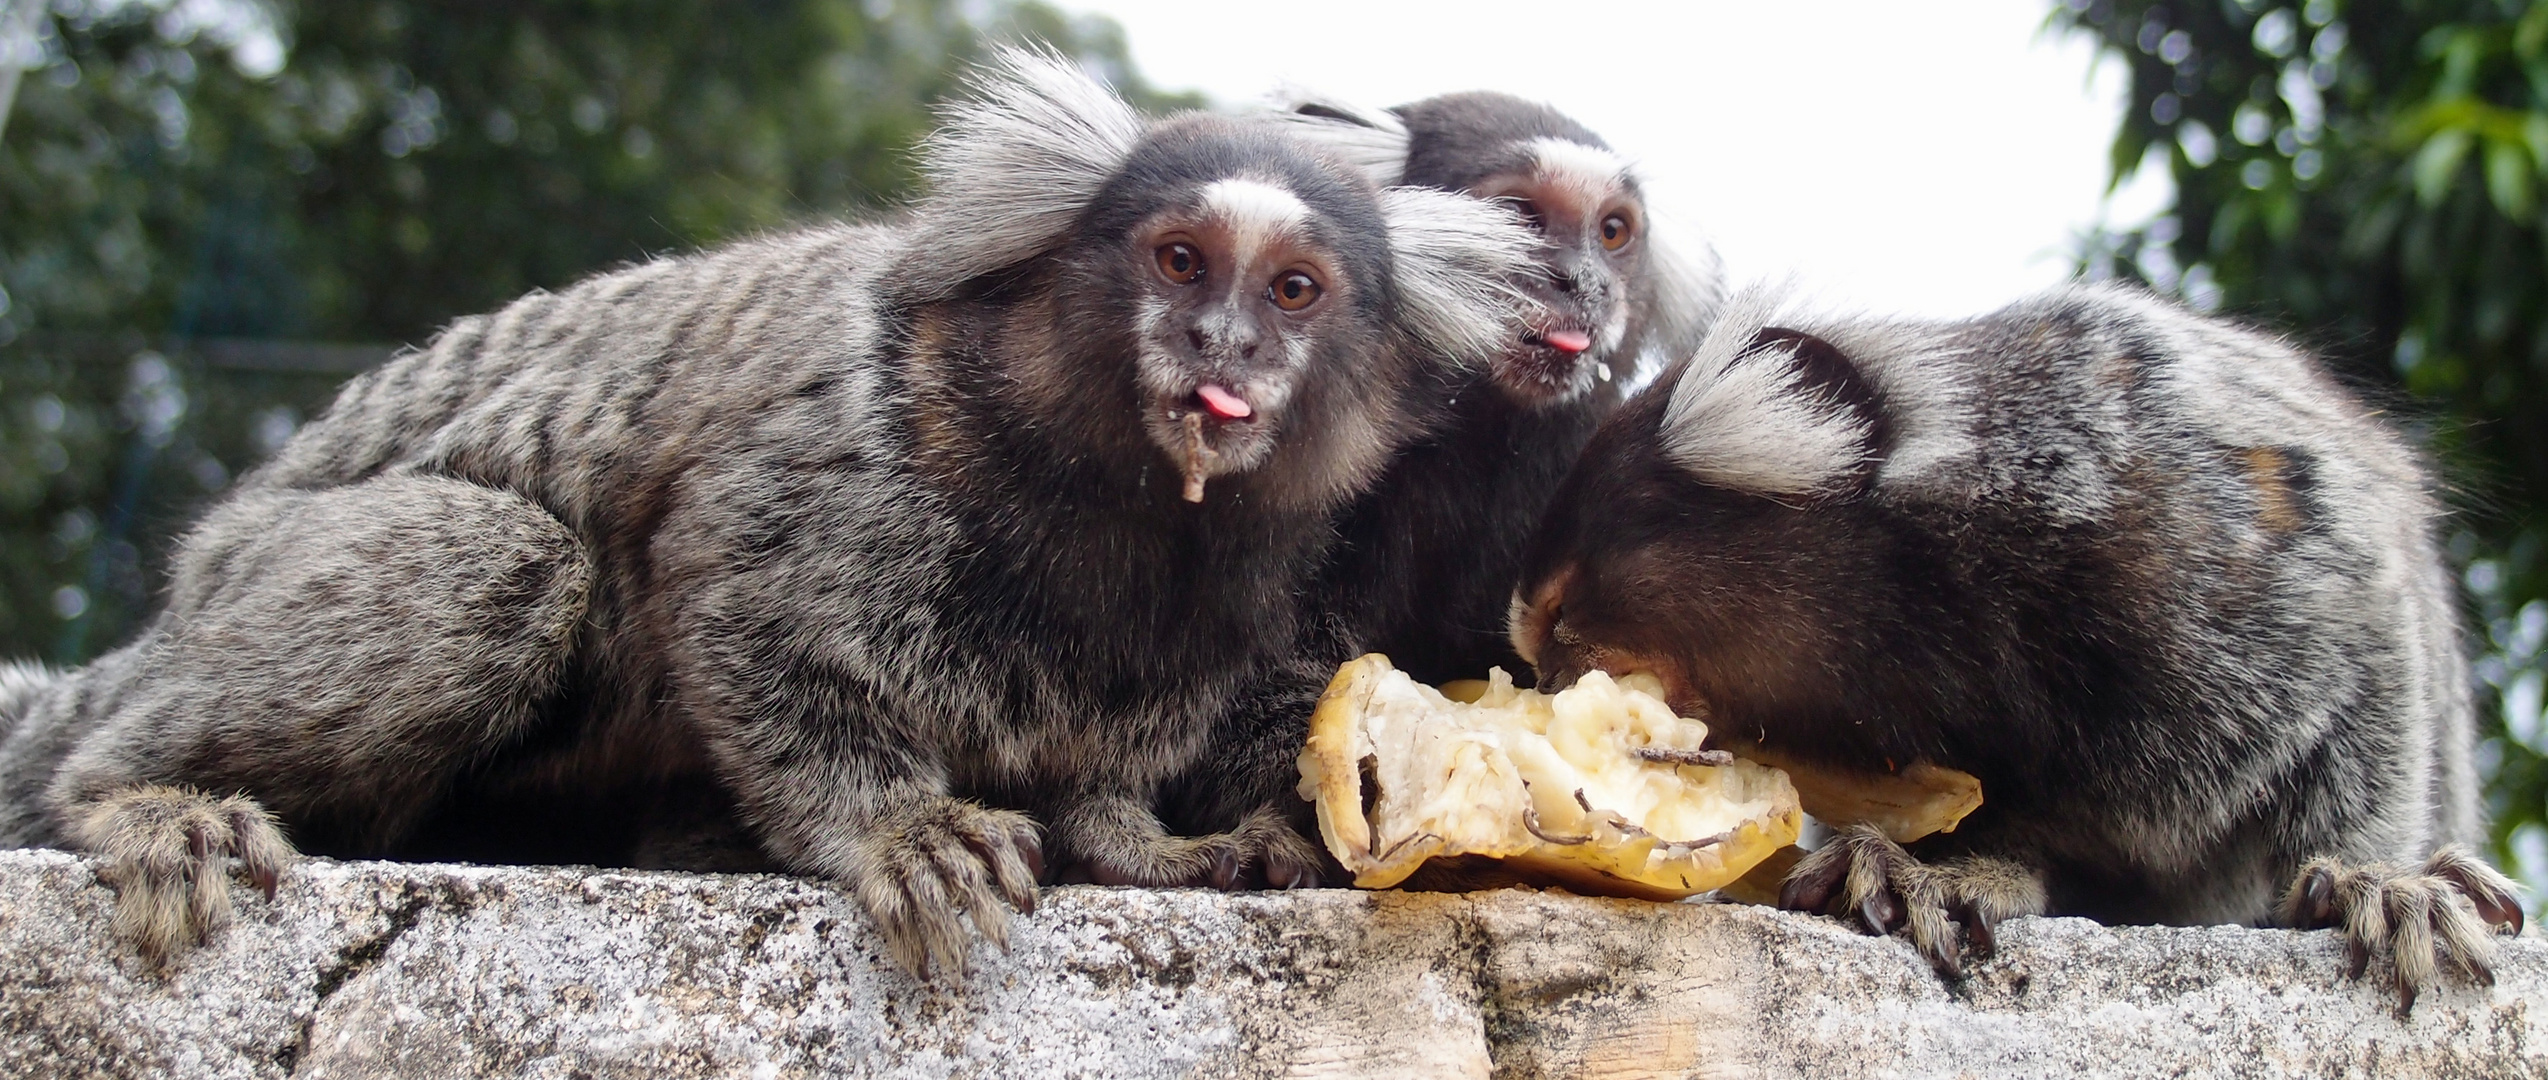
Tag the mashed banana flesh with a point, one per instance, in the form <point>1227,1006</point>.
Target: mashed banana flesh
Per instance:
<point>1599,787</point>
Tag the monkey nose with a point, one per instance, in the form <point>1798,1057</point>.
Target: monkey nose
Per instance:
<point>1559,669</point>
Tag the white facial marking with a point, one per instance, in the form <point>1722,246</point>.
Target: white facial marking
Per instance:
<point>1159,372</point>
<point>1589,173</point>
<point>1256,212</point>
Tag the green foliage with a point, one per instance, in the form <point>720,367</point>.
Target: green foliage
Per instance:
<point>2371,175</point>
<point>188,188</point>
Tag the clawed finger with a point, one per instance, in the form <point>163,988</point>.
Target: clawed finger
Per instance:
<point>1230,870</point>
<point>960,870</point>
<point>1016,859</point>
<point>2442,918</point>
<point>1878,914</point>
<point>168,853</point>
<point>1290,862</point>
<point>1949,910</point>
<point>1980,929</point>
<point>2487,890</point>
<point>1811,885</point>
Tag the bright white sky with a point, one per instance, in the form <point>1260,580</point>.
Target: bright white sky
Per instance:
<point>1925,158</point>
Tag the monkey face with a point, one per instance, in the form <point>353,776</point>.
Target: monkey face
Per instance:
<point>1586,207</point>
<point>1237,289</point>
<point>1606,577</point>
<point>1716,532</point>
<point>1732,601</point>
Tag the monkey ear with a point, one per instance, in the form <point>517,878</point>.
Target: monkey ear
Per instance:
<point>1773,411</point>
<point>1455,261</point>
<point>1012,165</point>
<point>1684,282</point>
<point>1373,141</point>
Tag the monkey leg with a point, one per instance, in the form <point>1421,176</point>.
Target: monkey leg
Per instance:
<point>1116,840</point>
<point>1238,807</point>
<point>331,657</point>
<point>1862,873</point>
<point>2442,914</point>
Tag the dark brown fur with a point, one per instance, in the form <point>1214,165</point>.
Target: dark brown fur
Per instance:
<point>2165,588</point>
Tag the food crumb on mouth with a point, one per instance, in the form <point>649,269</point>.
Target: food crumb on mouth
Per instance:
<point>1199,454</point>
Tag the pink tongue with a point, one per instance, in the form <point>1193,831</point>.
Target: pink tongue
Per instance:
<point>1572,341</point>
<point>1224,404</point>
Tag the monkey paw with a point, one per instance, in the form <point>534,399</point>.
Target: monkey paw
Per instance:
<point>1264,851</point>
<point>2443,914</point>
<point>1862,873</point>
<point>167,854</point>
<point>922,870</point>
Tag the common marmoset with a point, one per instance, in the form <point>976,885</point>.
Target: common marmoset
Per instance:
<point>2164,586</point>
<point>915,536</point>
<point>1429,555</point>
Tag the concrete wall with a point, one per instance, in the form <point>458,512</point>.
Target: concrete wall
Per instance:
<point>381,970</point>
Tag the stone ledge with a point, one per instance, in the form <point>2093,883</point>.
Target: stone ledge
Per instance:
<point>397,970</point>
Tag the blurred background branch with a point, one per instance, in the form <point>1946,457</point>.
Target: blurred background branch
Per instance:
<point>212,211</point>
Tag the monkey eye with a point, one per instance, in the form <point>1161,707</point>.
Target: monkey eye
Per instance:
<point>1616,232</point>
<point>1180,263</point>
<point>1530,211</point>
<point>1293,291</point>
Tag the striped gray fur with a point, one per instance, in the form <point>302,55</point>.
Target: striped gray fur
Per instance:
<point>872,534</point>
<point>2169,590</point>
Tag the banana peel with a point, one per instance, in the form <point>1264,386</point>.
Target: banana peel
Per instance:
<point>1598,788</point>
<point>1919,800</point>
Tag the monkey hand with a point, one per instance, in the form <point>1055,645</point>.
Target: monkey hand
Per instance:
<point>1124,848</point>
<point>2443,914</point>
<point>168,853</point>
<point>1860,872</point>
<point>920,870</point>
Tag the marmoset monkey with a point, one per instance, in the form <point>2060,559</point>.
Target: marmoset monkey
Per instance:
<point>915,536</point>
<point>2164,586</point>
<point>1430,554</point>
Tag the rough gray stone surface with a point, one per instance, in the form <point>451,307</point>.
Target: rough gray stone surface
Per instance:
<point>391,970</point>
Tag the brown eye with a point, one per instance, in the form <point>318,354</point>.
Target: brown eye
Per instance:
<point>1293,291</point>
<point>1180,263</point>
<point>1529,210</point>
<point>1615,232</point>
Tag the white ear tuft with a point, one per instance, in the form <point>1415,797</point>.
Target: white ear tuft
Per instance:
<point>1457,259</point>
<point>1686,284</point>
<point>1011,167</point>
<point>1372,141</point>
<point>1748,420</point>
<point>19,684</point>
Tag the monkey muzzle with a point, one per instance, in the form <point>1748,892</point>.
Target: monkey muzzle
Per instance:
<point>1550,364</point>
<point>1216,431</point>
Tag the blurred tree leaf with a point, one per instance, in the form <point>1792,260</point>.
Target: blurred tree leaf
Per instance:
<point>2387,205</point>
<point>182,181</point>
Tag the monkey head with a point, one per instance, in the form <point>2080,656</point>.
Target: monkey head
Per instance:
<point>1251,287</point>
<point>1595,281</point>
<point>1717,532</point>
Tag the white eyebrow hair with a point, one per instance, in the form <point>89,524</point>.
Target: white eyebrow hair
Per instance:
<point>1255,210</point>
<point>1592,172</point>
